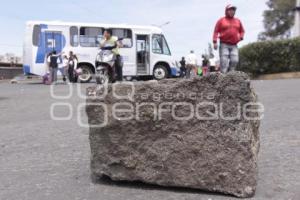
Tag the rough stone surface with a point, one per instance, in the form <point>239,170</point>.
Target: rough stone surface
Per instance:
<point>217,155</point>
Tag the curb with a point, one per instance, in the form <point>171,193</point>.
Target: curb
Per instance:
<point>289,75</point>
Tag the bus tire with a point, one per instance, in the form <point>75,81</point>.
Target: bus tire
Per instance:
<point>160,72</point>
<point>86,75</point>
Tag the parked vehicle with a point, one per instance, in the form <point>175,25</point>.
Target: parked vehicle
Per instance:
<point>145,50</point>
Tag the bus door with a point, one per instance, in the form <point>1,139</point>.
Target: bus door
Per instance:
<point>53,42</point>
<point>50,41</point>
<point>143,54</point>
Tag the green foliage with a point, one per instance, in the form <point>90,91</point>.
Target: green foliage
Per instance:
<point>279,19</point>
<point>270,57</point>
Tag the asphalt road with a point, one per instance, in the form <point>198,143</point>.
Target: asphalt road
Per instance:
<point>42,159</point>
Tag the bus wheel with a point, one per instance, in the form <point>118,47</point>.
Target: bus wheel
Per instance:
<point>86,75</point>
<point>160,72</point>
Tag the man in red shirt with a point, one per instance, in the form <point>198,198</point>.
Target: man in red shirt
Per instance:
<point>230,31</point>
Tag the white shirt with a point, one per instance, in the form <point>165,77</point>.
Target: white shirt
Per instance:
<point>213,62</point>
<point>73,62</point>
<point>65,62</point>
<point>191,59</point>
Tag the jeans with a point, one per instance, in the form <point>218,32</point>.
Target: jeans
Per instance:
<point>53,74</point>
<point>182,72</point>
<point>63,72</point>
<point>189,69</point>
<point>229,57</point>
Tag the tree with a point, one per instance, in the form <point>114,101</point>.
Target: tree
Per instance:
<point>278,19</point>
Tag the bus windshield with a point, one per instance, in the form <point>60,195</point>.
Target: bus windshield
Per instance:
<point>160,45</point>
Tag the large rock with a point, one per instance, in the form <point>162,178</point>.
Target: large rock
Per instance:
<point>218,155</point>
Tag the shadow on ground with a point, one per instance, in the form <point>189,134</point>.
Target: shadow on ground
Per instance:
<point>105,180</point>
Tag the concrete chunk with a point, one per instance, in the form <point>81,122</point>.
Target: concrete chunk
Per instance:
<point>200,133</point>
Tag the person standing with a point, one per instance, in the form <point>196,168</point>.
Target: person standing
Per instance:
<point>71,67</point>
<point>53,60</point>
<point>182,67</point>
<point>213,64</point>
<point>230,31</point>
<point>76,69</point>
<point>191,61</point>
<point>64,67</point>
<point>205,65</point>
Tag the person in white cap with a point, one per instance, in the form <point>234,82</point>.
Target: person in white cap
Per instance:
<point>191,63</point>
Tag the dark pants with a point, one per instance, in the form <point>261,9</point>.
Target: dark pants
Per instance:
<point>119,68</point>
<point>182,72</point>
<point>71,74</point>
<point>212,69</point>
<point>112,73</point>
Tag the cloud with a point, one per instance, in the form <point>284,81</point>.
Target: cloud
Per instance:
<point>192,21</point>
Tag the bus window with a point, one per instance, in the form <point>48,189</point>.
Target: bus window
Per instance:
<point>160,45</point>
<point>36,35</point>
<point>90,36</point>
<point>125,34</point>
<point>74,36</point>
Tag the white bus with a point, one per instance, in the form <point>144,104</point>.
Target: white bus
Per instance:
<point>145,50</point>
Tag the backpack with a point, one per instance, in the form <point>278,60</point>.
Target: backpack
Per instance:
<point>46,79</point>
<point>200,71</point>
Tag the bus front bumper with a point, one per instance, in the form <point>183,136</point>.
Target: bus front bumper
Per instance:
<point>26,69</point>
<point>175,72</point>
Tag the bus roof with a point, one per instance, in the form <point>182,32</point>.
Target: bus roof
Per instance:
<point>152,29</point>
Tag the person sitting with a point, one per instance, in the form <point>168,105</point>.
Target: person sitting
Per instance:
<point>111,43</point>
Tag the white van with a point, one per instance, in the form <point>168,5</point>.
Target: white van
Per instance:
<point>145,52</point>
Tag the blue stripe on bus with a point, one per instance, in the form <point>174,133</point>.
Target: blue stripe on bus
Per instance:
<point>26,69</point>
<point>40,56</point>
<point>173,71</point>
<point>43,49</point>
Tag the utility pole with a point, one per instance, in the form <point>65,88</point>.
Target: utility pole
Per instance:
<point>162,25</point>
<point>297,20</point>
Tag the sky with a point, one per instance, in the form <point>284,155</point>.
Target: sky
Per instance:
<point>191,27</point>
